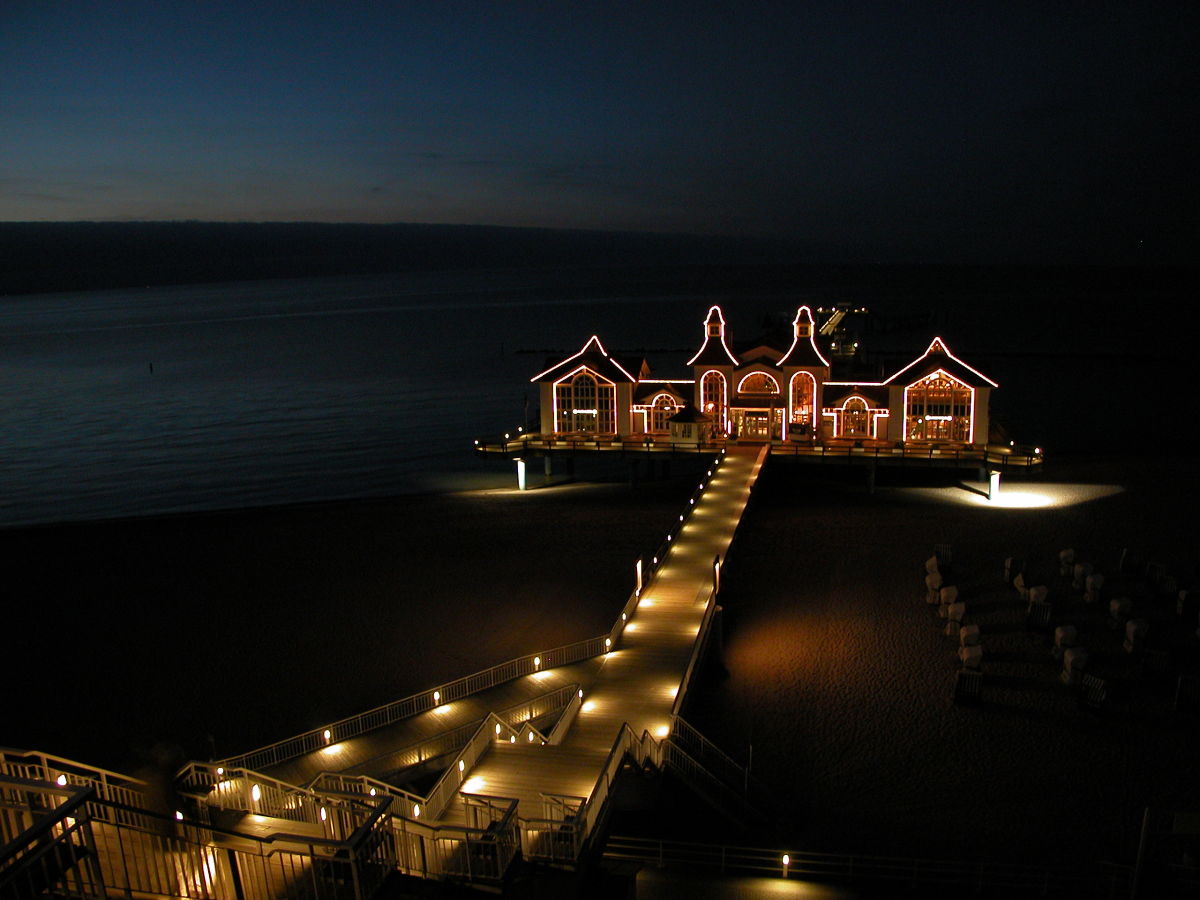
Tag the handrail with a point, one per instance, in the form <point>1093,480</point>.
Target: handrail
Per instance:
<point>77,799</point>
<point>423,701</point>
<point>848,866</point>
<point>838,448</point>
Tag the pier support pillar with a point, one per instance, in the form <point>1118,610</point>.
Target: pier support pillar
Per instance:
<point>633,474</point>
<point>521,485</point>
<point>993,486</point>
<point>871,478</point>
<point>547,466</point>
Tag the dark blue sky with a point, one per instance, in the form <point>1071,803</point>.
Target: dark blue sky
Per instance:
<point>955,130</point>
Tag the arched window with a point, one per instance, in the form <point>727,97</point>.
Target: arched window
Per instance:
<point>714,397</point>
<point>661,410</point>
<point>758,383</point>
<point>804,391</point>
<point>585,405</point>
<point>938,408</point>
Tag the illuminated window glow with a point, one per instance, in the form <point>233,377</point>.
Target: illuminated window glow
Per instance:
<point>758,383</point>
<point>939,407</point>
<point>585,403</point>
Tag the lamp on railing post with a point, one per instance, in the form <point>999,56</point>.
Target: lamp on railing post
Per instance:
<point>787,861</point>
<point>716,574</point>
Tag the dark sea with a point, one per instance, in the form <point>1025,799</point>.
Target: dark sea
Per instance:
<point>165,399</point>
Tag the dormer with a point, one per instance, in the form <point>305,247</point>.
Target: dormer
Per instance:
<point>715,349</point>
<point>803,351</point>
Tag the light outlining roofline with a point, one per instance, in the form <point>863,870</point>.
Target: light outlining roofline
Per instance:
<point>932,375</point>
<point>837,412</point>
<point>946,350</point>
<point>594,339</point>
<point>721,319</point>
<point>581,368</point>
<point>771,377</point>
<point>811,340</point>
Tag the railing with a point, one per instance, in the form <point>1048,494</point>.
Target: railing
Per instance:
<point>37,766</point>
<point>1030,880</point>
<point>837,449</point>
<point>605,443</point>
<point>46,841</point>
<point>424,701</point>
<point>242,790</point>
<point>715,760</point>
<point>130,850</point>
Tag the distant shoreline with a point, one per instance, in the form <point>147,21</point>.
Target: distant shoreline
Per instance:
<point>48,257</point>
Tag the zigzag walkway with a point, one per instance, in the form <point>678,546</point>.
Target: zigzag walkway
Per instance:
<point>638,682</point>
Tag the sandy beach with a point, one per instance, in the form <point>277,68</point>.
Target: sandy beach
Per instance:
<point>838,672</point>
<point>253,625</point>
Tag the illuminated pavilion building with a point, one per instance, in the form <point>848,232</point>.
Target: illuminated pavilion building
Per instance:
<point>772,390</point>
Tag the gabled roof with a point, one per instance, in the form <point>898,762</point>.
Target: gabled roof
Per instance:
<point>803,351</point>
<point>938,356</point>
<point>648,388</point>
<point>593,356</point>
<point>714,351</point>
<point>835,393</point>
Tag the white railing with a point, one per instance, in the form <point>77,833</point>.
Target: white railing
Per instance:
<point>37,766</point>
<point>1028,880</point>
<point>424,701</point>
<point>242,790</point>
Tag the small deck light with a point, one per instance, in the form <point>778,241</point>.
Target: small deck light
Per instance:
<point>61,780</point>
<point>416,810</point>
<point>372,792</point>
<point>607,643</point>
<point>255,793</point>
<point>437,696</point>
<point>462,765</point>
<point>512,738</point>
<point>787,861</point>
<point>497,729</point>
<point>529,736</point>
<point>537,662</point>
<point>220,770</point>
<point>580,693</point>
<point>324,815</point>
<point>328,735</point>
<point>178,816</point>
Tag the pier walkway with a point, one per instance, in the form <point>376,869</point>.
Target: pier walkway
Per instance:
<point>522,758</point>
<point>640,683</point>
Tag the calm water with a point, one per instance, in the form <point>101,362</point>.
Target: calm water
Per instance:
<point>146,401</point>
<point>137,402</point>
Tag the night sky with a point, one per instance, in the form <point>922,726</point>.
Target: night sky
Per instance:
<point>952,131</point>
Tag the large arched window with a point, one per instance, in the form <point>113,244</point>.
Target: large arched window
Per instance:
<point>585,404</point>
<point>661,410</point>
<point>758,383</point>
<point>714,397</point>
<point>803,393</point>
<point>939,407</point>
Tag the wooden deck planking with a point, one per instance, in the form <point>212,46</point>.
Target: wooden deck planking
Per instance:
<point>376,753</point>
<point>637,683</point>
